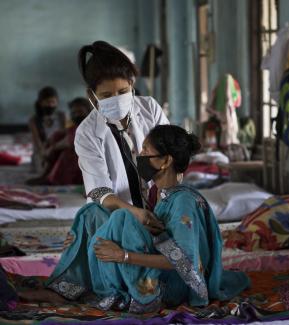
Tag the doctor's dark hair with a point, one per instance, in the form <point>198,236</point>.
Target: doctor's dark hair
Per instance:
<point>101,61</point>
<point>174,141</point>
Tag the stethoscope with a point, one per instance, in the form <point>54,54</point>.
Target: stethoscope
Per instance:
<point>132,163</point>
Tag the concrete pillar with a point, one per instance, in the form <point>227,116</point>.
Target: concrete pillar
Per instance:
<point>181,28</point>
<point>228,22</point>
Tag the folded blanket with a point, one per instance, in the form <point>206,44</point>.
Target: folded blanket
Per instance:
<point>265,228</point>
<point>8,159</point>
<point>26,200</point>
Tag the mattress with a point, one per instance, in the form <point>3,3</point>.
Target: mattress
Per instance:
<point>232,201</point>
<point>69,204</point>
<point>42,264</point>
<point>277,261</point>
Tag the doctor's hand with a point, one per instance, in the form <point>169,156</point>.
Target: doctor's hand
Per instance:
<point>108,251</point>
<point>149,220</point>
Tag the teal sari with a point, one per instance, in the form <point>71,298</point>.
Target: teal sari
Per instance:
<point>191,242</point>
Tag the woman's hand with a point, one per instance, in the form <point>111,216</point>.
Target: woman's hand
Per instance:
<point>149,220</point>
<point>108,251</point>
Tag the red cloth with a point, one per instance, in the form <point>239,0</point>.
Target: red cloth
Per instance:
<point>65,170</point>
<point>25,199</point>
<point>7,159</point>
<point>205,168</point>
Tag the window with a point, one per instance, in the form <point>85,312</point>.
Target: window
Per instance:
<point>268,31</point>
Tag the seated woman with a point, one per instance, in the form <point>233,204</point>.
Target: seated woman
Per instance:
<point>61,162</point>
<point>127,264</point>
<point>46,120</point>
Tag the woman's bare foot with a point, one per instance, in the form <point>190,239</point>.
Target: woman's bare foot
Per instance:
<point>41,295</point>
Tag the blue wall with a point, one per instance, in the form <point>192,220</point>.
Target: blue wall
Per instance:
<point>283,12</point>
<point>228,22</point>
<point>40,39</point>
<point>148,32</point>
<point>182,46</point>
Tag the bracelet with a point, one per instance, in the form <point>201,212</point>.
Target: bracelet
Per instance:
<point>125,259</point>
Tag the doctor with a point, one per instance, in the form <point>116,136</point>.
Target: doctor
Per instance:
<point>109,139</point>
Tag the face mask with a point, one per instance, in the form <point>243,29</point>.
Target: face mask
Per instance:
<point>48,110</point>
<point>115,108</point>
<point>144,168</point>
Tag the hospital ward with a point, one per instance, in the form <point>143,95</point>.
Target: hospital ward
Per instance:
<point>144,162</point>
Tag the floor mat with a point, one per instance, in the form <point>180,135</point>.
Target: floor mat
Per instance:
<point>16,175</point>
<point>37,239</point>
<point>266,300</point>
<point>32,265</point>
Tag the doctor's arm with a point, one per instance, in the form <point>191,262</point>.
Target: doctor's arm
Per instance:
<point>145,217</point>
<point>98,184</point>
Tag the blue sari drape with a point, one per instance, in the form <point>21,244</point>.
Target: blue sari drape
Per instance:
<point>192,243</point>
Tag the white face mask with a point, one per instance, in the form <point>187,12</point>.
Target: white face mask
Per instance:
<point>115,108</point>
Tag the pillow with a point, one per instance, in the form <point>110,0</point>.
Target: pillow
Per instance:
<point>266,228</point>
<point>232,201</point>
<point>211,157</point>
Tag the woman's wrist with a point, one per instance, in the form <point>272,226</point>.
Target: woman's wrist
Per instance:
<point>125,256</point>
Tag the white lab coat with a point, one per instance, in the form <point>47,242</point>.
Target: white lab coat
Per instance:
<point>98,153</point>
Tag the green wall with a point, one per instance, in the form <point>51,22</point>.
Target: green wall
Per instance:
<point>40,40</point>
<point>283,12</point>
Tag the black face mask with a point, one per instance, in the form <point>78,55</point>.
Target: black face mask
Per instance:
<point>77,119</point>
<point>144,168</point>
<point>48,110</point>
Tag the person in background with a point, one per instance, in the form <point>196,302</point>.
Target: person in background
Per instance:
<point>45,121</point>
<point>60,159</point>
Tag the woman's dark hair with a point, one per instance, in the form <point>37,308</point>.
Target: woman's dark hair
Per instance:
<point>101,61</point>
<point>44,93</point>
<point>175,141</point>
<point>80,101</point>
<point>47,92</point>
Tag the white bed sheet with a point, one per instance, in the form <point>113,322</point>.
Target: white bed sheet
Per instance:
<point>232,201</point>
<point>70,203</point>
